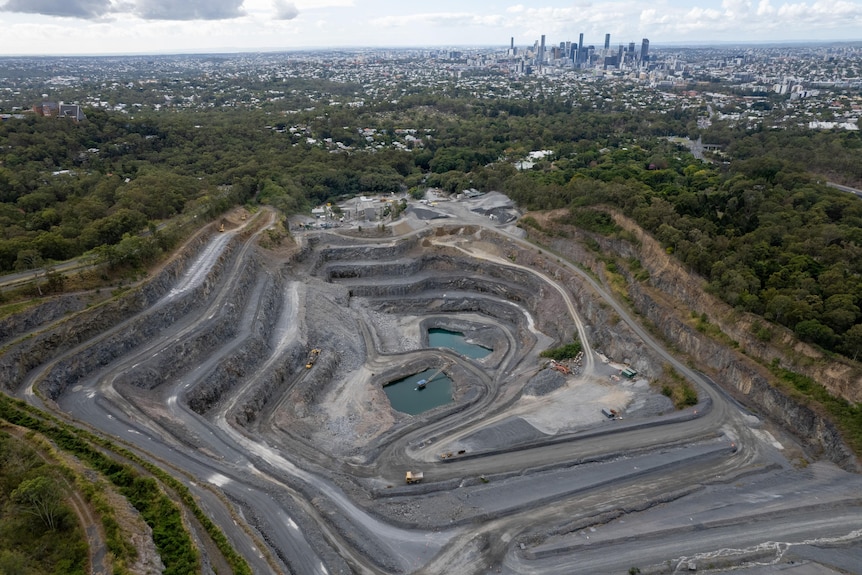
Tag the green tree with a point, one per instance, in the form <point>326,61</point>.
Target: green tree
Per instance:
<point>42,497</point>
<point>841,312</point>
<point>852,344</point>
<point>13,562</point>
<point>814,331</point>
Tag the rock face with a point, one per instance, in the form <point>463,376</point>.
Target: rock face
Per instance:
<point>749,382</point>
<point>666,298</point>
<point>843,378</point>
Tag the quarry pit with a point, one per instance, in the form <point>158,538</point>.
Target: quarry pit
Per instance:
<point>258,374</point>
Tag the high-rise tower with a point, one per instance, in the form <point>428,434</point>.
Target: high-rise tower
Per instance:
<point>581,51</point>
<point>645,50</point>
<point>607,41</point>
<point>541,58</point>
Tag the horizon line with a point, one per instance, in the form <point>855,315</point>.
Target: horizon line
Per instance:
<point>274,50</point>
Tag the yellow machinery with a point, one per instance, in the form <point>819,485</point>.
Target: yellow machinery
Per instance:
<point>312,357</point>
<point>413,477</point>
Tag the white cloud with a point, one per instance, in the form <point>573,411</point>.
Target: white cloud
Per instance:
<point>435,19</point>
<point>285,10</point>
<point>145,9</point>
<point>765,8</point>
<point>84,9</point>
<point>305,5</point>
<point>188,9</point>
<point>164,25</point>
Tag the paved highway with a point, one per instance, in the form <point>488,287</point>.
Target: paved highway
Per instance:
<point>845,188</point>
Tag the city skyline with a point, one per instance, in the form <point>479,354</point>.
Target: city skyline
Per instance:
<point>58,27</point>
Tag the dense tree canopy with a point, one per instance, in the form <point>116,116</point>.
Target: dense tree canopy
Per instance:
<point>766,233</point>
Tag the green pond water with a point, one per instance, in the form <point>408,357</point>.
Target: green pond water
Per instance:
<point>404,394</point>
<point>456,341</point>
<point>406,398</point>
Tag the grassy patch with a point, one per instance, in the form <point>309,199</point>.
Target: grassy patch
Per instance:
<point>170,536</point>
<point>91,449</point>
<point>592,221</point>
<point>639,272</point>
<point>530,222</point>
<point>704,326</point>
<point>567,351</point>
<point>17,307</point>
<point>761,332</point>
<point>677,388</point>
<point>39,532</point>
<point>617,282</point>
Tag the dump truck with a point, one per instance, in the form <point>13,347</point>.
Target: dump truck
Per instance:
<point>312,357</point>
<point>413,477</point>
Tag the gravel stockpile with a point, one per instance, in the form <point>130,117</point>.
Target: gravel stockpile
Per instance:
<point>544,382</point>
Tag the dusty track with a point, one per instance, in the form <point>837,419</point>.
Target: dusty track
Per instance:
<point>314,459</point>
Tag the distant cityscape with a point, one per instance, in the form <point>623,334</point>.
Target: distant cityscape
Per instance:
<point>807,85</point>
<point>570,54</point>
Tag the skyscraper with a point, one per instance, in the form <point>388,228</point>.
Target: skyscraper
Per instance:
<point>607,41</point>
<point>581,51</point>
<point>541,58</point>
<point>645,50</point>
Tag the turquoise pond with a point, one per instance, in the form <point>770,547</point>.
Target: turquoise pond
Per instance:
<point>404,394</point>
<point>406,398</point>
<point>456,341</point>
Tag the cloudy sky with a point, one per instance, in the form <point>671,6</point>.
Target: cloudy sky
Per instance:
<point>164,26</point>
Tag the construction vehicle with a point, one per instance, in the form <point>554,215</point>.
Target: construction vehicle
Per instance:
<point>420,385</point>
<point>610,413</point>
<point>413,477</point>
<point>221,227</point>
<point>312,357</point>
<point>561,368</point>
